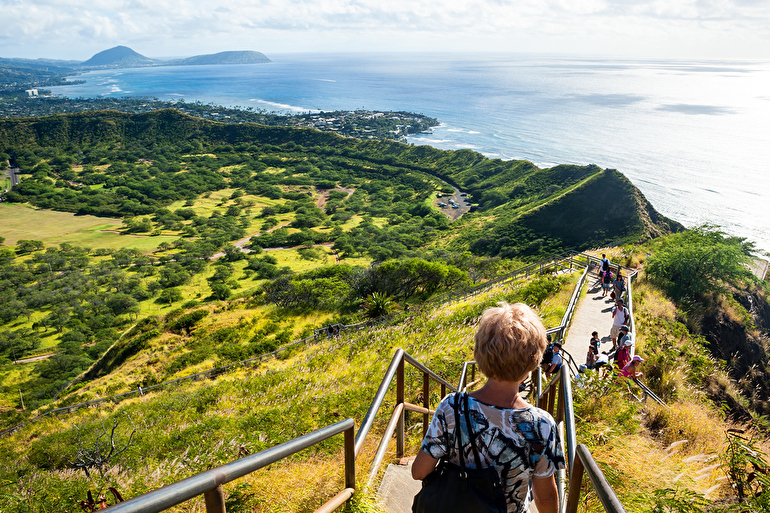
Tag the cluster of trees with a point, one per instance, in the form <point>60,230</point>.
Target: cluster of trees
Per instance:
<point>85,297</point>
<point>341,286</point>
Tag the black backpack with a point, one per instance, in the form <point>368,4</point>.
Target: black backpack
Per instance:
<point>547,355</point>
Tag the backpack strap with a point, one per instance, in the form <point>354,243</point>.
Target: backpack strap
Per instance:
<point>459,432</point>
<point>470,432</point>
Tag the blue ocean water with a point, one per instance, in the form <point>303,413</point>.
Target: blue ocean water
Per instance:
<point>693,136</point>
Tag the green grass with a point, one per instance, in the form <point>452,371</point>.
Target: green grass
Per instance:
<point>12,376</point>
<point>203,424</point>
<point>54,228</point>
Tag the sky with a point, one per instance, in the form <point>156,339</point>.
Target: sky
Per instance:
<point>687,29</point>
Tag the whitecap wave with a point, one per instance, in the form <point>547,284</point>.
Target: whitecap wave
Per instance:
<point>473,132</point>
<point>325,80</point>
<point>283,106</point>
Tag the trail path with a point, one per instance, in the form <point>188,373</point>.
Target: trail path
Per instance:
<point>325,195</point>
<point>592,314</point>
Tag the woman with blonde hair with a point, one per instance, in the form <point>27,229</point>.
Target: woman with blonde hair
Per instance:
<point>500,430</point>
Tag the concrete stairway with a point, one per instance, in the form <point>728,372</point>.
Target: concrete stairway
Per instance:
<point>397,489</point>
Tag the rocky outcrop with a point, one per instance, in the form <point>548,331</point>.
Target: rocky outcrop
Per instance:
<point>744,350</point>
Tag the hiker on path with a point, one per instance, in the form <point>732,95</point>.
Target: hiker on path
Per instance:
<point>556,360</point>
<point>593,350</point>
<point>619,285</point>
<point>503,431</point>
<point>602,362</point>
<point>605,264</point>
<point>623,355</point>
<point>620,316</point>
<point>606,282</point>
<point>631,369</point>
<point>625,337</point>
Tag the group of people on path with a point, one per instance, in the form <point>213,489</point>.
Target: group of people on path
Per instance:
<point>622,341</point>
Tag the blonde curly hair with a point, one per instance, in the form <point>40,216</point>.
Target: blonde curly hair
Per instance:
<point>509,342</point>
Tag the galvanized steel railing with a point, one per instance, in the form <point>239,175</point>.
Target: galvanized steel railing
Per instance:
<point>209,483</point>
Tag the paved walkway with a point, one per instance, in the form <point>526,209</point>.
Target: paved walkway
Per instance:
<point>592,314</point>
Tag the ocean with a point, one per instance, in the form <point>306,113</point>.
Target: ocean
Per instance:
<point>694,136</point>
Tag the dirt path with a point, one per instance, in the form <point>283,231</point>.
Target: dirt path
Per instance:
<point>325,195</point>
<point>242,242</point>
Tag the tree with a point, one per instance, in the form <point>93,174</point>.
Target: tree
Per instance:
<point>97,448</point>
<point>700,261</point>
<point>121,303</point>
<point>220,291</point>
<point>170,295</point>
<point>28,246</point>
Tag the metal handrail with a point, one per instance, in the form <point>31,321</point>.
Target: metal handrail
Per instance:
<point>210,483</point>
<point>648,392</point>
<point>586,463</point>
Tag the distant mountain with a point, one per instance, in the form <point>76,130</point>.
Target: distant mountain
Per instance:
<point>125,57</point>
<point>120,57</point>
<point>243,57</point>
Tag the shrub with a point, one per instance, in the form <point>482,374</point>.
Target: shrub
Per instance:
<point>700,261</point>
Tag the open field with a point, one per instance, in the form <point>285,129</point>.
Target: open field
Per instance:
<point>54,228</point>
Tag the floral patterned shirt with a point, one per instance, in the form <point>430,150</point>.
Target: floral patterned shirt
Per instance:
<point>521,443</point>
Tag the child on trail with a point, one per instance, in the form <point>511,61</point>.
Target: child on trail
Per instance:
<point>593,350</point>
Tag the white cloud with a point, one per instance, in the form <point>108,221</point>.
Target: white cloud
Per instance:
<point>57,28</point>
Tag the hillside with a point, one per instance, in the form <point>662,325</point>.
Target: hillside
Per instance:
<point>118,57</point>
<point>339,231</point>
<point>650,454</point>
<point>517,199</point>
<point>232,57</point>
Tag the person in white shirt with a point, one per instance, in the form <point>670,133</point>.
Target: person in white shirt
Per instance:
<point>620,316</point>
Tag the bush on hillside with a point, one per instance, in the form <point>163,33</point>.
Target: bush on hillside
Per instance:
<point>700,261</point>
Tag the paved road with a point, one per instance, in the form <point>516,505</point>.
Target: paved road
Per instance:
<point>14,174</point>
<point>34,358</point>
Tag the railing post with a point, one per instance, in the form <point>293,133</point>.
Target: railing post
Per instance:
<point>350,458</point>
<point>400,400</point>
<point>551,399</point>
<point>575,483</point>
<point>425,401</point>
<point>539,384</point>
<point>215,500</point>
